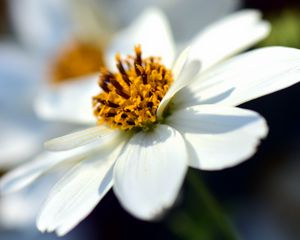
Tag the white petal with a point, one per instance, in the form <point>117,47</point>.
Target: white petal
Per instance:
<point>92,20</point>
<point>20,130</point>
<point>78,192</point>
<point>185,71</point>
<point>17,143</point>
<point>187,17</point>
<point>180,62</point>
<point>228,37</point>
<point>150,172</point>
<point>70,102</point>
<point>152,31</point>
<point>27,173</point>
<point>22,83</point>
<point>95,134</point>
<point>25,204</point>
<point>219,137</point>
<point>245,77</point>
<point>41,25</point>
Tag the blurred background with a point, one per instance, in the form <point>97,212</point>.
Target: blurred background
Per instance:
<point>260,198</point>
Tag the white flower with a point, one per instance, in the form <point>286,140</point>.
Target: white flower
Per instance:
<point>196,124</point>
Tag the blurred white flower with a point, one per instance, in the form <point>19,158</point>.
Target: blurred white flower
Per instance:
<point>21,131</point>
<point>42,25</point>
<point>196,122</point>
<point>41,28</point>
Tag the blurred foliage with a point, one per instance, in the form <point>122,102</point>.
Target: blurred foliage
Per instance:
<point>285,28</point>
<point>3,17</point>
<point>267,6</point>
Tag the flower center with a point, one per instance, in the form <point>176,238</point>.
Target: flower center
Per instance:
<point>131,96</point>
<point>78,59</point>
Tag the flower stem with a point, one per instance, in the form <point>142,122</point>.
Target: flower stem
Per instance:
<point>212,207</point>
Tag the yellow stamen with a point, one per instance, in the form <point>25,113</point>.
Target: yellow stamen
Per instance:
<point>131,96</point>
<point>78,59</point>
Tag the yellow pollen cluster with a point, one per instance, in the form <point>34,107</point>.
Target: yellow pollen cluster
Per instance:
<point>131,96</point>
<point>78,59</point>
